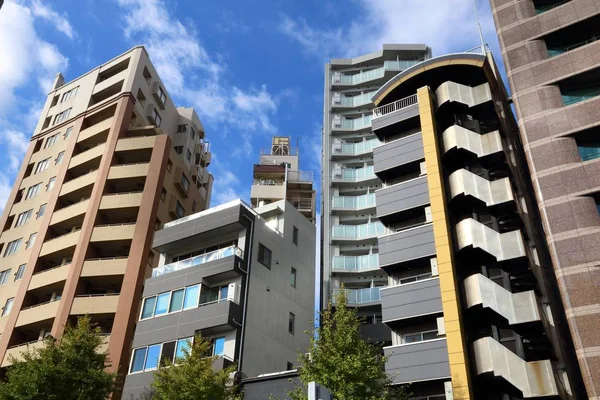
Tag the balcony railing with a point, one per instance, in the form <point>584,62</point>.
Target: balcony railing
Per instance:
<point>542,8</point>
<point>588,153</point>
<point>360,296</point>
<point>198,260</point>
<point>372,229</point>
<point>365,146</point>
<point>301,204</point>
<point>561,50</point>
<point>352,101</point>
<point>580,95</point>
<point>395,106</point>
<point>300,176</point>
<point>376,73</point>
<point>355,264</point>
<point>354,174</point>
<point>351,124</point>
<point>354,202</point>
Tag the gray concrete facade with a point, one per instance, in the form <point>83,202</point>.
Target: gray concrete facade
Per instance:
<point>411,300</point>
<point>407,245</point>
<point>416,362</point>
<point>398,152</point>
<point>402,196</point>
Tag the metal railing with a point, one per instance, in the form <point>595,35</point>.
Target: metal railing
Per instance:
<point>540,9</point>
<point>98,295</point>
<point>357,263</point>
<point>576,98</point>
<point>52,268</point>
<point>25,344</point>
<point>354,174</point>
<point>365,146</point>
<point>360,296</point>
<point>481,49</point>
<point>300,176</point>
<point>395,106</point>
<point>39,305</point>
<point>198,260</point>
<point>301,203</point>
<point>354,202</point>
<point>369,230</point>
<point>376,73</point>
<point>559,51</point>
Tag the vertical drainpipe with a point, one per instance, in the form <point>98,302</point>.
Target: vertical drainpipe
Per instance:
<point>248,266</point>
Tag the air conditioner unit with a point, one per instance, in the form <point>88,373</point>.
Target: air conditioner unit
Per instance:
<point>232,292</point>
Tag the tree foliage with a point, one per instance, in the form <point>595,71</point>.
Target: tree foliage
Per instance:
<point>65,369</point>
<point>342,361</point>
<point>193,377</point>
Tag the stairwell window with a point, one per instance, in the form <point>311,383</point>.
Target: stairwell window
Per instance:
<point>30,241</point>
<point>293,277</point>
<point>69,94</point>
<point>292,323</point>
<point>67,133</point>
<point>295,236</point>
<point>41,211</point>
<point>59,158</point>
<point>50,141</point>
<point>264,255</point>
<point>20,272</point>
<point>4,276</point>
<point>50,184</point>
<point>8,306</point>
<point>58,118</point>
<point>12,247</point>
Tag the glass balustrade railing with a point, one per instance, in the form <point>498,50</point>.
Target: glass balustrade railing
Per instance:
<point>355,264</point>
<point>360,296</point>
<point>577,96</point>
<point>376,73</point>
<point>558,50</point>
<point>589,151</point>
<point>354,174</point>
<point>198,260</point>
<point>372,229</point>
<point>543,6</point>
<point>354,101</point>
<point>354,202</point>
<point>355,148</point>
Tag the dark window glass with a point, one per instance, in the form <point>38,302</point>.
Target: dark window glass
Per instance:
<point>264,255</point>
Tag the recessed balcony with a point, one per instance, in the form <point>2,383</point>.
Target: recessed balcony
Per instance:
<point>60,243</point>
<point>15,352</point>
<point>360,297</point>
<point>345,124</point>
<point>49,276</point>
<point>105,266</point>
<point>347,79</point>
<point>128,171</point>
<point>357,232</point>
<point>37,313</point>
<point>353,203</point>
<point>79,183</point>
<point>341,148</point>
<point>95,304</point>
<point>419,361</point>
<point>353,175</point>
<point>355,264</point>
<point>113,232</point>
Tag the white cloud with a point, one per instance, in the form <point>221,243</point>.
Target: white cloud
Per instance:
<point>446,26</point>
<point>60,21</point>
<point>16,145</point>
<point>226,187</point>
<point>5,188</point>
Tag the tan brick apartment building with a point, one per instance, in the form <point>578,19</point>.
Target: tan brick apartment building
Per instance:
<point>111,160</point>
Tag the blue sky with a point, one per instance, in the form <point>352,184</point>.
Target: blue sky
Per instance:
<point>252,69</point>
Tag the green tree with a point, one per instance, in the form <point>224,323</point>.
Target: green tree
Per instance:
<point>193,377</point>
<point>342,361</point>
<point>65,369</point>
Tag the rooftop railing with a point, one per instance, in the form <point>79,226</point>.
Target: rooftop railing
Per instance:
<point>395,106</point>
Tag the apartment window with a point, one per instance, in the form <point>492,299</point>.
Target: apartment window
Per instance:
<point>67,133</point>
<point>59,158</point>
<point>185,183</point>
<point>156,117</point>
<point>62,116</point>
<point>179,210</point>
<point>40,213</point>
<point>30,241</point>
<point>292,323</point>
<point>50,184</point>
<point>147,76</point>
<point>178,149</point>
<point>193,133</point>
<point>69,94</point>
<point>163,194</point>
<point>170,302</point>
<point>50,141</point>
<point>293,277</point>
<point>162,96</point>
<point>219,347</point>
<point>194,205</point>
<point>289,366</point>
<point>176,303</point>
<point>20,272</point>
<point>8,306</point>
<point>264,255</point>
<point>419,336</point>
<point>33,191</point>
<point>23,218</point>
<point>295,236</point>
<point>4,276</point>
<point>188,155</point>
<point>42,166</point>
<point>181,128</point>
<point>150,357</point>
<point>12,247</point>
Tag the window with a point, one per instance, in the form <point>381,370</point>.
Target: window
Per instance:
<point>23,218</point>
<point>42,166</point>
<point>264,255</point>
<point>12,247</point>
<point>219,347</point>
<point>179,210</point>
<point>292,323</point>
<point>50,141</point>
<point>30,241</point>
<point>181,128</point>
<point>178,149</point>
<point>183,347</point>
<point>69,94</point>
<point>150,357</point>
<point>50,184</point>
<point>295,236</point>
<point>176,300</point>
<point>147,75</point>
<point>62,116</point>
<point>169,165</point>
<point>68,132</point>
<point>163,194</point>
<point>188,155</point>
<point>191,297</point>
<point>148,307</point>
<point>162,303</point>
<point>20,272</point>
<point>194,205</point>
<point>4,276</point>
<point>33,191</point>
<point>293,277</point>
<point>41,211</point>
<point>290,366</point>
<point>156,117</point>
<point>59,158</point>
<point>419,336</point>
<point>193,133</point>
<point>162,96</point>
<point>185,183</point>
<point>137,362</point>
<point>8,306</point>
<point>415,278</point>
<point>170,302</point>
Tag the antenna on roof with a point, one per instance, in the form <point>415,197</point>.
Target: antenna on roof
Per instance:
<point>479,26</point>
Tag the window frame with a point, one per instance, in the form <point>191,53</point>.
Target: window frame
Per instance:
<point>23,218</point>
<point>50,141</point>
<point>292,323</point>
<point>67,133</point>
<point>59,158</point>
<point>20,272</point>
<point>421,334</point>
<point>34,190</point>
<point>156,117</point>
<point>50,184</point>
<point>195,302</point>
<point>13,247</point>
<point>262,247</point>
<point>179,206</point>
<point>293,277</point>
<point>295,234</point>
<point>186,185</point>
<point>42,165</point>
<point>4,276</point>
<point>42,209</point>
<point>30,241</point>
<point>188,155</point>
<point>12,302</point>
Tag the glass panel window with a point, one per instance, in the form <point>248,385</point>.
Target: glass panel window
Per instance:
<point>162,96</point>
<point>223,292</point>
<point>137,362</point>
<point>50,141</point>
<point>191,297</point>
<point>4,276</point>
<point>264,255</point>
<point>157,118</point>
<point>31,240</point>
<point>59,158</point>
<point>50,184</point>
<point>183,347</point>
<point>430,335</point>
<point>23,218</point>
<point>41,211</point>
<point>412,338</point>
<point>185,183</point>
<point>292,323</point>
<point>42,166</point>
<point>33,191</point>
<point>12,247</point>
<point>8,306</point>
<point>20,272</point>
<point>295,236</point>
<point>162,304</point>
<point>68,132</point>
<point>148,307</point>
<point>219,347</point>
<point>167,352</point>
<point>188,154</point>
<point>152,357</point>
<point>193,133</point>
<point>179,210</point>
<point>293,277</point>
<point>176,300</point>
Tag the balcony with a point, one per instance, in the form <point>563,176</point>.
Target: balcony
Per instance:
<point>466,183</point>
<point>89,304</point>
<point>588,143</point>
<point>87,155</point>
<point>69,212</point>
<point>419,361</point>
<point>15,351</point>
<point>396,106</point>
<point>397,153</point>
<point>103,233</point>
<point>449,92</point>
<point>351,124</point>
<point>406,245</point>
<point>37,313</point>
<point>364,201</point>
<point>364,263</point>
<point>340,148</point>
<point>128,171</point>
<point>503,246</point>
<point>59,243</point>
<point>457,137</point>
<point>340,100</point>
<point>402,196</point>
<point>104,266</point>
<point>541,6</point>
<point>299,177</point>
<point>267,189</point>
<point>94,130</point>
<point>517,308</point>
<point>121,200</point>
<point>136,143</point>
<point>198,260</point>
<point>533,379</point>
<point>372,74</point>
<point>360,297</point>
<point>353,174</point>
<point>411,300</point>
<point>79,183</point>
<point>581,87</point>
<point>49,276</point>
<point>357,232</point>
